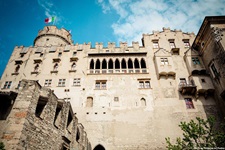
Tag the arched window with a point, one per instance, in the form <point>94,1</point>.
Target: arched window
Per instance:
<point>92,64</point>
<point>36,68</point>
<point>17,69</point>
<point>143,64</point>
<point>97,65</point>
<point>104,66</point>
<point>110,66</point>
<point>143,102</point>
<point>130,64</point>
<point>73,66</point>
<point>55,68</point>
<point>124,65</point>
<point>89,102</point>
<point>136,63</point>
<point>117,65</point>
<point>99,147</point>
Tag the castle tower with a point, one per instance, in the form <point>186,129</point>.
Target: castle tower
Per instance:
<point>52,36</point>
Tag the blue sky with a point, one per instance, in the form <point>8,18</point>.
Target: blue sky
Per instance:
<point>99,20</point>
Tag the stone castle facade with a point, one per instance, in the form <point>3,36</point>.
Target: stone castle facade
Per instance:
<point>126,97</point>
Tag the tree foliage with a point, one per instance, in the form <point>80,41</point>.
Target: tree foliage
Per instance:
<point>2,146</point>
<point>198,135</point>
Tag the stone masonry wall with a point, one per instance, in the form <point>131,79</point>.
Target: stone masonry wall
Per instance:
<point>25,129</point>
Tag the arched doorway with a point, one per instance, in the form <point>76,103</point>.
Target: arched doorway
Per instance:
<point>99,147</point>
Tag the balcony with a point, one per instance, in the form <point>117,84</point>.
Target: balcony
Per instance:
<point>204,86</point>
<point>187,88</point>
<point>118,71</point>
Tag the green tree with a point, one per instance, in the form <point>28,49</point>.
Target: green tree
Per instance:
<point>2,146</point>
<point>199,134</point>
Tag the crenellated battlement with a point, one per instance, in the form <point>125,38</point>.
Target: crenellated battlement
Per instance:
<point>167,30</point>
<point>51,35</point>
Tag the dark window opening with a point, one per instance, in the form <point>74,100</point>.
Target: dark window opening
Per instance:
<point>40,106</point>
<point>136,63</point>
<point>92,64</point>
<point>55,68</point>
<point>36,68</point>
<point>70,118</point>
<point>143,64</point>
<point>99,147</point>
<point>189,103</point>
<point>203,80</point>
<point>17,69</point>
<point>73,66</point>
<point>66,143</point>
<point>130,64</point>
<point>97,65</point>
<point>110,64</point>
<point>117,64</point>
<point>6,104</point>
<point>104,64</point>
<point>78,135</point>
<point>124,66</point>
<point>58,109</point>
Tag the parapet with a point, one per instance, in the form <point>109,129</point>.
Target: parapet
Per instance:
<point>51,35</point>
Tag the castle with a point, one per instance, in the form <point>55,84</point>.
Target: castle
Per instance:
<point>126,97</point>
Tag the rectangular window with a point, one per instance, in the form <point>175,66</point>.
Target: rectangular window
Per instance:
<point>116,99</point>
<point>76,82</point>
<point>100,85</point>
<point>182,80</point>
<point>196,61</point>
<point>144,84</point>
<point>172,44</point>
<point>19,85</point>
<point>48,82</point>
<point>189,103</point>
<point>74,53</point>
<point>164,61</point>
<point>203,80</point>
<point>7,85</point>
<point>186,44</point>
<point>214,70</point>
<point>61,82</point>
<point>155,44</point>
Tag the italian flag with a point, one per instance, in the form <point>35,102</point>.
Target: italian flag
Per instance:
<point>50,19</point>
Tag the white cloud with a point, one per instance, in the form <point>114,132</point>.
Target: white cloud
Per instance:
<point>50,10</point>
<point>144,16</point>
<point>105,7</point>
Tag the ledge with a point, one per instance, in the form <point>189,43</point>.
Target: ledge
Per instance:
<point>53,71</point>
<point>72,71</point>
<point>15,73</point>
<point>34,72</point>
